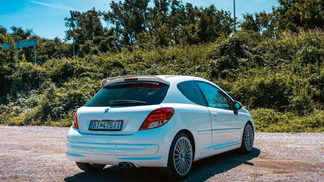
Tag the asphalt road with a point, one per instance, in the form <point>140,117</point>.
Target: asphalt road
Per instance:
<point>37,153</point>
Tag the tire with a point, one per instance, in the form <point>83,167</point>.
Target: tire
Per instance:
<point>247,139</point>
<point>180,158</point>
<point>90,167</point>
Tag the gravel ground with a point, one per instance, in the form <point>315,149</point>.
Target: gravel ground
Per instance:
<point>37,153</point>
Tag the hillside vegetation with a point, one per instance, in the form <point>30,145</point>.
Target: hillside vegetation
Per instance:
<point>275,72</point>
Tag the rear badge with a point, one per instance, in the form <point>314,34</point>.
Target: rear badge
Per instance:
<point>106,110</point>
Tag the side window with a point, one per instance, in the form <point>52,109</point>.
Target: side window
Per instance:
<point>214,96</point>
<point>190,90</point>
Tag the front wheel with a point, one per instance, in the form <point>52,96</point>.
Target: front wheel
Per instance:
<point>180,158</point>
<point>247,139</point>
<point>90,167</point>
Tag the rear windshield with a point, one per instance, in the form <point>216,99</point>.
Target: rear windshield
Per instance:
<point>130,93</point>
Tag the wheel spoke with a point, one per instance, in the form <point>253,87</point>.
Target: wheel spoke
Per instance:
<point>188,160</point>
<point>177,149</point>
<point>187,148</point>
<point>182,168</point>
<point>178,163</point>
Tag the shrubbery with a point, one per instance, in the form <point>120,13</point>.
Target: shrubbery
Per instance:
<point>281,81</point>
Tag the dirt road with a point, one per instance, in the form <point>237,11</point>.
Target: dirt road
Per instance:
<point>37,153</point>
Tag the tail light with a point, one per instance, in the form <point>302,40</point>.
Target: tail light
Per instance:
<point>157,118</point>
<point>75,121</point>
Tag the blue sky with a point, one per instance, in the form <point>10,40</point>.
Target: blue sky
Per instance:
<point>46,17</point>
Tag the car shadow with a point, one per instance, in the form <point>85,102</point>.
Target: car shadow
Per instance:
<point>201,170</point>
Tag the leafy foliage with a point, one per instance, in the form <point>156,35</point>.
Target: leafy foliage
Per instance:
<point>273,65</point>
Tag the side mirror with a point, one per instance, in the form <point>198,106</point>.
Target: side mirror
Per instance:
<point>237,106</point>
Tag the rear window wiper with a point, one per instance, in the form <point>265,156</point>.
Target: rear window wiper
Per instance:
<point>126,102</point>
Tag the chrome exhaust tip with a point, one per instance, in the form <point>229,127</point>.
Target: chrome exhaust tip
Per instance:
<point>128,165</point>
<point>121,164</point>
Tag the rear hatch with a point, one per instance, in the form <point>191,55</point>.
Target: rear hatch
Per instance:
<point>121,107</point>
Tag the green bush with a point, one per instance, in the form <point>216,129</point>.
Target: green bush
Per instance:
<point>281,81</point>
<point>269,120</point>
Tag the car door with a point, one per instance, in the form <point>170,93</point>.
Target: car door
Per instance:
<point>226,126</point>
<point>196,115</point>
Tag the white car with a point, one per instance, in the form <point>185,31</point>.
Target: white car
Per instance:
<point>157,121</point>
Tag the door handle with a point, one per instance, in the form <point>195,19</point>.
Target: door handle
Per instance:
<point>214,113</point>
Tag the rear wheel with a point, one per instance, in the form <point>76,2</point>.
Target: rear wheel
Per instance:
<point>247,139</point>
<point>180,158</point>
<point>90,167</point>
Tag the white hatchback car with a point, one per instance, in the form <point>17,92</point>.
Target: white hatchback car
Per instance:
<point>157,121</point>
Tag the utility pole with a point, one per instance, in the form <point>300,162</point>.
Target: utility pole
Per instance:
<point>73,42</point>
<point>234,17</point>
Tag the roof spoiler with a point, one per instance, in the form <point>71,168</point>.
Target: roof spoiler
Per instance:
<point>107,81</point>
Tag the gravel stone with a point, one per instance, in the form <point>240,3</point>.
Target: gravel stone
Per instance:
<point>37,153</point>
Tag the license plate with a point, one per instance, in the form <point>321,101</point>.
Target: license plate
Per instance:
<point>106,125</point>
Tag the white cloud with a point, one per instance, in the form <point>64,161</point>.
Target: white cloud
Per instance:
<point>58,6</point>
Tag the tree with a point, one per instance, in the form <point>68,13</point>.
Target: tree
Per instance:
<point>128,18</point>
<point>250,23</point>
<point>88,32</point>
<point>8,64</point>
<point>294,14</point>
<point>205,24</point>
<point>3,30</point>
<point>18,34</point>
<point>213,23</point>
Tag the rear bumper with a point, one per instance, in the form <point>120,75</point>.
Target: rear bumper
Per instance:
<point>143,161</point>
<point>141,148</point>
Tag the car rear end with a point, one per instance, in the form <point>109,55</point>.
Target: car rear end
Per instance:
<point>115,126</point>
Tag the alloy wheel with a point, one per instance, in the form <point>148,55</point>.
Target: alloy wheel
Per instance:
<point>182,156</point>
<point>248,137</point>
